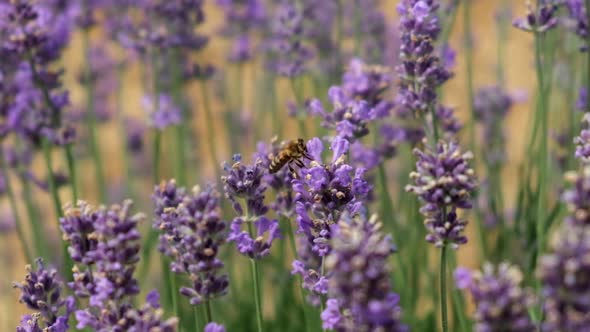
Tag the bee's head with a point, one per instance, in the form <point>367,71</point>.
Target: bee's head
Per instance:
<point>301,142</point>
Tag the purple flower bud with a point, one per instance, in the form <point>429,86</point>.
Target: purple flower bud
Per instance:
<point>540,19</point>
<point>564,273</point>
<point>162,112</point>
<point>444,182</point>
<point>214,327</point>
<point>192,235</point>
<point>359,286</point>
<point>42,291</point>
<point>501,304</point>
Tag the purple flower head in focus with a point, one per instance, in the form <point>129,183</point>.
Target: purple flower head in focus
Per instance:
<point>359,288</point>
<point>245,188</point>
<point>42,291</point>
<point>501,304</point>
<point>162,112</point>
<point>540,19</point>
<point>564,274</point>
<point>105,240</point>
<point>192,235</point>
<point>443,182</point>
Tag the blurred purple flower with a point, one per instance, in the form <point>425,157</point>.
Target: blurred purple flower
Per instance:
<point>540,19</point>
<point>162,112</point>
<point>501,304</point>
<point>577,197</point>
<point>214,327</point>
<point>42,291</point>
<point>583,142</point>
<point>564,273</point>
<point>288,49</point>
<point>491,106</point>
<point>421,71</point>
<point>240,18</point>
<point>359,286</point>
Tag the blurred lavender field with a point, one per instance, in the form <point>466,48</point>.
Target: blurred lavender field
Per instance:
<point>444,182</point>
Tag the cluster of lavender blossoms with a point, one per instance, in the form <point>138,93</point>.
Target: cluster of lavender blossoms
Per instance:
<point>359,104</point>
<point>104,244</point>
<point>33,37</point>
<point>323,192</point>
<point>289,52</point>
<point>444,181</point>
<point>583,142</point>
<point>193,233</point>
<point>564,274</point>
<point>539,19</point>
<point>244,186</point>
<point>421,71</point>
<point>500,302</point>
<point>42,291</point>
<point>241,17</point>
<point>360,296</point>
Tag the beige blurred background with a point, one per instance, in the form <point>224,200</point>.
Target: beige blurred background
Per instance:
<point>519,76</point>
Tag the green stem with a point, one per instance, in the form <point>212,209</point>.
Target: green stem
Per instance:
<point>196,317</point>
<point>17,220</point>
<point>449,24</point>
<point>211,141</point>
<point>156,156</point>
<point>182,128</point>
<point>72,170</point>
<point>469,68</point>
<point>298,105</point>
<point>543,149</point>
<point>91,121</point>
<point>254,270</point>
<point>37,227</point>
<point>173,289</point>
<point>208,311</point>
<point>443,288</point>
<point>123,133</point>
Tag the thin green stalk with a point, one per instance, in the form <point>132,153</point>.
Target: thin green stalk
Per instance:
<point>17,220</point>
<point>257,299</point>
<point>449,24</point>
<point>123,133</point>
<point>443,287</point>
<point>156,156</point>
<point>543,149</point>
<point>182,128</point>
<point>299,104</point>
<point>91,121</point>
<point>211,141</point>
<point>468,46</point>
<point>72,170</point>
<point>37,228</point>
<point>173,289</point>
<point>196,317</point>
<point>208,311</point>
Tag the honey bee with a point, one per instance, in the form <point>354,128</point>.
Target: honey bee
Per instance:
<point>292,152</point>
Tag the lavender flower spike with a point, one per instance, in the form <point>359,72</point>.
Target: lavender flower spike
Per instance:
<point>564,274</point>
<point>359,288</point>
<point>244,186</point>
<point>501,304</point>
<point>421,71</point>
<point>42,291</point>
<point>192,236</point>
<point>443,181</point>
<point>583,142</point>
<point>539,19</point>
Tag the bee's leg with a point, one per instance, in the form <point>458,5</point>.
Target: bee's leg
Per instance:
<point>292,171</point>
<point>306,155</point>
<point>299,163</point>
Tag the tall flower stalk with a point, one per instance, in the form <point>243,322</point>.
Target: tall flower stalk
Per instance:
<point>244,187</point>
